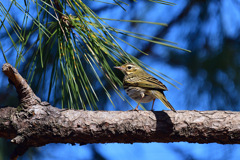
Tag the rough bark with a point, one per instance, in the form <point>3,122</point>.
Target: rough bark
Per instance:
<point>38,123</point>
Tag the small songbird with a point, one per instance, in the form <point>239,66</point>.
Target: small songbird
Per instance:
<point>141,86</point>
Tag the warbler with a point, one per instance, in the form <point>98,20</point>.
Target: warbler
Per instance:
<point>142,87</point>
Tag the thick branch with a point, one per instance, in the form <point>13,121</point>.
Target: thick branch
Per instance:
<point>45,124</point>
<point>38,123</point>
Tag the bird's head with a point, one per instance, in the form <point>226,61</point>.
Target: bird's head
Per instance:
<point>130,68</point>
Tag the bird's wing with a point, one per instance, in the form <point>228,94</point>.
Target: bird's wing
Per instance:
<point>148,82</point>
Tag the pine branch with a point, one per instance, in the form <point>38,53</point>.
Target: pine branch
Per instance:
<point>37,124</point>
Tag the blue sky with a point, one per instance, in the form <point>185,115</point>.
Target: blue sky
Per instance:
<point>177,97</point>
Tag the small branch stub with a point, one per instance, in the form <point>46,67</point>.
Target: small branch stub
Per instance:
<point>25,94</point>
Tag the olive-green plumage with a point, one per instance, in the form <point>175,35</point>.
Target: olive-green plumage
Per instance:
<point>141,86</point>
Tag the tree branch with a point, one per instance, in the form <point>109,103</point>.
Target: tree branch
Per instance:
<point>39,123</point>
<point>25,93</point>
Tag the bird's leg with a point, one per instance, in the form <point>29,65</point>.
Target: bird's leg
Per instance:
<point>136,109</point>
<point>153,104</point>
<point>142,96</point>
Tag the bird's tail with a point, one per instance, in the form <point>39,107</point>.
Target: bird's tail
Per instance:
<point>161,96</point>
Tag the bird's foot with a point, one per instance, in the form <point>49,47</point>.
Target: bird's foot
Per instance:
<point>135,109</point>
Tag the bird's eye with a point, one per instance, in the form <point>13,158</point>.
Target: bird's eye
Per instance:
<point>129,67</point>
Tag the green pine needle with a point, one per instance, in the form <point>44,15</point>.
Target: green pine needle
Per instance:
<point>77,51</point>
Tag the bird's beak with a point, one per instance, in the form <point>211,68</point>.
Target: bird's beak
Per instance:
<point>118,67</point>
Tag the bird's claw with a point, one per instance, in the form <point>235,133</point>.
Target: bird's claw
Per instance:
<point>134,109</point>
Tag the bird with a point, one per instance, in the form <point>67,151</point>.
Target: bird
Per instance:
<point>142,87</point>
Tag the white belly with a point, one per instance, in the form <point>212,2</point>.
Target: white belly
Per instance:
<point>137,93</point>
